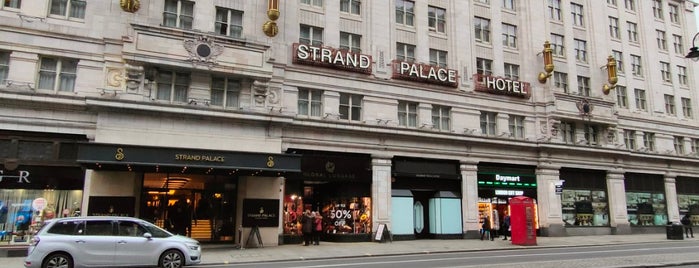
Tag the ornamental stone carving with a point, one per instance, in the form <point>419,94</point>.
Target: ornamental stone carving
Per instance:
<point>134,76</point>
<point>203,50</point>
<point>259,92</point>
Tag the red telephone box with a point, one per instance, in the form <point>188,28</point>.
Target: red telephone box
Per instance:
<point>522,225</point>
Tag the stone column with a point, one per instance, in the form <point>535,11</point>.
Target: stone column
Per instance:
<point>673,208</point>
<point>469,199</point>
<point>616,192</point>
<point>381,191</point>
<point>548,202</point>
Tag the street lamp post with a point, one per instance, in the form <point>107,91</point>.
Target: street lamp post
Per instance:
<point>694,51</point>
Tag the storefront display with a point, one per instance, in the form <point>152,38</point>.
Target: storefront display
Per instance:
<point>585,208</point>
<point>646,209</point>
<point>689,204</point>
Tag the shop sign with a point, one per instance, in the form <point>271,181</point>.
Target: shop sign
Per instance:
<point>22,176</point>
<point>426,73</point>
<point>198,157</point>
<point>331,58</point>
<point>260,212</point>
<point>501,86</point>
<point>503,192</point>
<point>507,180</point>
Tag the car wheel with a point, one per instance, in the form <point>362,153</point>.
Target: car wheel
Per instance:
<point>58,260</point>
<point>171,259</point>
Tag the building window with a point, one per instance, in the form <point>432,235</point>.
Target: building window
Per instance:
<point>568,132</point>
<point>632,31</point>
<point>678,142</point>
<point>57,74</point>
<point>660,38</point>
<point>438,58</point>
<point>695,146</point>
<point>311,35</point>
<point>229,22</point>
<point>436,19</point>
<point>630,139</point>
<point>481,30</point>
<point>636,68</point>
<point>225,92</point>
<point>13,3</point>
<point>674,14</point>
<point>577,11</point>
<point>509,35</point>
<point>677,43</point>
<point>509,4</point>
<point>318,3</point>
<point>555,9</point>
<point>172,86</point>
<point>351,42</point>
<point>178,14</point>
<point>621,97</point>
<point>640,95</point>
<point>560,80</point>
<point>489,124</point>
<point>611,2</point>
<point>591,134</point>
<point>665,72</point>
<point>516,126</point>
<point>407,114</point>
<point>669,104</point>
<point>350,107</point>
<point>351,6</point>
<point>584,86</point>
<point>614,27</point>
<point>687,107</point>
<point>511,71</point>
<point>4,66</point>
<point>441,117</point>
<point>658,9</point>
<point>580,50</point>
<point>619,57</point>
<point>649,141</point>
<point>630,4</point>
<point>405,12</point>
<point>310,102</point>
<point>68,8</point>
<point>487,2</point>
<point>682,75</point>
<point>557,45</point>
<point>405,52</point>
<point>484,66</point>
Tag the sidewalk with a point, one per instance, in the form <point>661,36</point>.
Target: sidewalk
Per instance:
<point>220,254</point>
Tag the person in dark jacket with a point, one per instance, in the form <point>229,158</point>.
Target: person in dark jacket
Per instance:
<point>307,227</point>
<point>486,228</point>
<point>505,226</point>
<point>687,223</point>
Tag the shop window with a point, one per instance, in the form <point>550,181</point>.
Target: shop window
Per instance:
<point>646,209</point>
<point>19,216</point>
<point>341,216</point>
<point>585,208</point>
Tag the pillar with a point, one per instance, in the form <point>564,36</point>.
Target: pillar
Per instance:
<point>618,217</point>
<point>381,191</point>
<point>469,199</point>
<point>673,208</point>
<point>548,202</point>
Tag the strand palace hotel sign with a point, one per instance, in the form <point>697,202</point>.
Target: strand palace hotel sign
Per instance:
<point>331,58</point>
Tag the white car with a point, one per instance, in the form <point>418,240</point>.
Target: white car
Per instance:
<point>96,241</point>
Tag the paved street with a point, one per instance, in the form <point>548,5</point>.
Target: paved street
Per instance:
<point>219,254</point>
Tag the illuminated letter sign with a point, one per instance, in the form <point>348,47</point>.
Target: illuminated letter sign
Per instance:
<point>425,73</point>
<point>501,86</point>
<point>331,58</point>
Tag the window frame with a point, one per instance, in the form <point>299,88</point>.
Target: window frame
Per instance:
<point>558,45</point>
<point>348,102</point>
<point>484,66</point>
<point>560,80</point>
<point>614,30</point>
<point>407,114</point>
<point>438,58</point>
<point>311,32</point>
<point>584,86</point>
<point>313,99</point>
<point>4,66</point>
<point>686,107</point>
<point>577,12</point>
<point>66,9</point>
<point>640,99</point>
<point>352,7</point>
<point>178,14</point>
<point>622,97</point>
<point>515,124</point>
<point>228,88</point>
<point>405,13</point>
<point>237,31</point>
<point>441,117</point>
<point>405,52</point>
<point>351,45</point>
<point>511,71</point>
<point>434,23</point>
<point>481,30</point>
<point>630,139</point>
<point>59,73</point>
<point>669,104</point>
<point>489,123</point>
<point>173,84</point>
<point>554,8</point>
<point>649,141</point>
<point>509,36</point>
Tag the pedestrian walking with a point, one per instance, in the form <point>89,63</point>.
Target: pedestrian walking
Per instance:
<point>485,227</point>
<point>307,227</point>
<point>494,229</point>
<point>317,228</point>
<point>505,229</point>
<point>687,223</point>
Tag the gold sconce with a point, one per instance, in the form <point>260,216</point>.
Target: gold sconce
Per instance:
<point>548,63</point>
<point>270,27</point>
<point>611,75</point>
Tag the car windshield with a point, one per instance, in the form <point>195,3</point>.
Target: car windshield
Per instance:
<point>155,230</point>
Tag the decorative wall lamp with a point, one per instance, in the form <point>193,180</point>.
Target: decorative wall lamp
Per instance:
<point>270,27</point>
<point>548,63</point>
<point>694,51</point>
<point>611,75</point>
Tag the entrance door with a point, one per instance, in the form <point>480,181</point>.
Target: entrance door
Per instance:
<point>421,214</point>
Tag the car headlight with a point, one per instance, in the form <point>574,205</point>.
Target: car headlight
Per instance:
<point>193,246</point>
